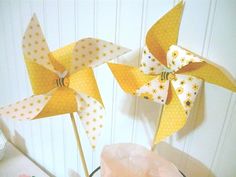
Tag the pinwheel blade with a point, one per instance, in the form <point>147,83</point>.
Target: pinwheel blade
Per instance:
<point>64,55</point>
<point>155,90</point>
<point>83,81</point>
<point>186,88</point>
<point>91,113</point>
<point>178,58</point>
<point>164,33</point>
<point>149,64</point>
<point>62,101</point>
<point>42,80</point>
<point>34,45</point>
<point>173,118</point>
<point>29,108</point>
<point>129,78</point>
<point>90,52</point>
<point>210,73</point>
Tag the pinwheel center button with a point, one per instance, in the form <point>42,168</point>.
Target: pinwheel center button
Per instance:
<point>63,82</point>
<point>171,76</point>
<point>167,76</point>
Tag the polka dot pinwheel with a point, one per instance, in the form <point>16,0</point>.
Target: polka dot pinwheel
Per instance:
<point>169,74</point>
<point>63,80</point>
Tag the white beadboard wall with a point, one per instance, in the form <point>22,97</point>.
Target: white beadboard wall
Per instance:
<point>206,147</point>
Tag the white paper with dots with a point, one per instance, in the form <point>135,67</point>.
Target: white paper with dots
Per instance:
<point>34,45</point>
<point>28,108</point>
<point>91,114</point>
<point>90,52</point>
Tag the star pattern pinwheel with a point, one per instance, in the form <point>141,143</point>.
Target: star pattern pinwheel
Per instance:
<point>169,74</point>
<point>63,80</point>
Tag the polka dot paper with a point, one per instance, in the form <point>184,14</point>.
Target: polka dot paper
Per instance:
<point>63,80</point>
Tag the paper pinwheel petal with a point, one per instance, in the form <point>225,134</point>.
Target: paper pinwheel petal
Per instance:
<point>164,33</point>
<point>62,101</point>
<point>186,88</point>
<point>64,55</point>
<point>149,64</point>
<point>92,52</point>
<point>34,45</point>
<point>155,90</point>
<point>42,80</point>
<point>83,81</point>
<point>91,113</point>
<point>173,118</point>
<point>210,73</point>
<point>129,78</point>
<point>177,58</point>
<point>29,108</point>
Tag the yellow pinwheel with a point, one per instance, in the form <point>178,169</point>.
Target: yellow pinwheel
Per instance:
<point>63,80</point>
<point>169,74</point>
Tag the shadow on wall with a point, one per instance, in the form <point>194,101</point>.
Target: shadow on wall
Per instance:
<point>190,166</point>
<point>16,139</point>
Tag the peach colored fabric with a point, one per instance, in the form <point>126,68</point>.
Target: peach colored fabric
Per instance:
<point>130,160</point>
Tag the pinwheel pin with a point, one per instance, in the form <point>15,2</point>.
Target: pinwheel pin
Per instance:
<point>169,74</point>
<point>63,81</point>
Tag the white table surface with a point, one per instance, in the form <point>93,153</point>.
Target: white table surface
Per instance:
<point>15,163</point>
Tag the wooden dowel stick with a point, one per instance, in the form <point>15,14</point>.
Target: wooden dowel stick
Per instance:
<point>157,128</point>
<point>79,145</point>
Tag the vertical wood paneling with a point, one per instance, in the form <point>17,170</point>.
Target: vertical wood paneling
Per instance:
<point>106,15</point>
<point>207,28</point>
<point>129,36</point>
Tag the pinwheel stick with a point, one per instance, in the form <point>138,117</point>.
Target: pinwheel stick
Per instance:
<point>157,128</point>
<point>79,145</point>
